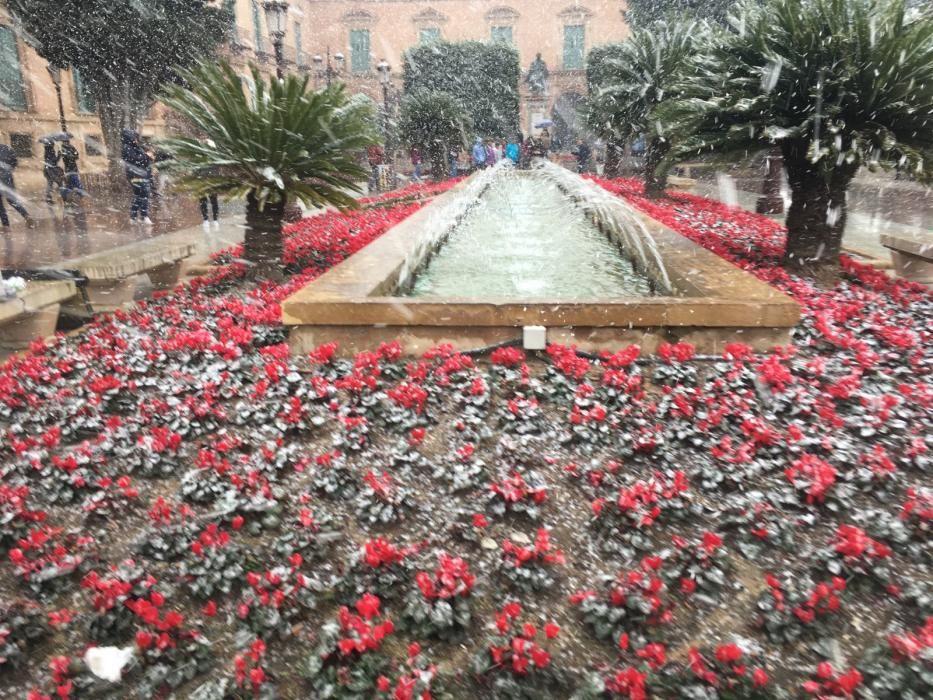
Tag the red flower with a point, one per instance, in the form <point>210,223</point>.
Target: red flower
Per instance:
<point>759,678</point>
<point>210,609</point>
<point>551,630</point>
<point>711,542</point>
<point>368,606</point>
<point>383,684</point>
<point>728,653</point>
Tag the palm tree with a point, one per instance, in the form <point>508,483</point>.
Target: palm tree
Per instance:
<point>635,79</point>
<point>270,141</point>
<point>836,84</point>
<point>435,121</point>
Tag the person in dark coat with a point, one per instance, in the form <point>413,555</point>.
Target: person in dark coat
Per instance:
<point>583,156</point>
<point>138,165</point>
<point>51,170</point>
<point>71,189</point>
<point>8,162</point>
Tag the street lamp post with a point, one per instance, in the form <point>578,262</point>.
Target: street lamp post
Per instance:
<point>385,71</point>
<point>276,16</point>
<point>328,71</point>
<point>56,73</point>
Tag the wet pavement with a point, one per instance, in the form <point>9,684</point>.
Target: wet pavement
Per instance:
<point>877,204</point>
<point>102,224</point>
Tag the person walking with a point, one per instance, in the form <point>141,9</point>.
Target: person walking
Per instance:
<point>513,151</point>
<point>51,170</point>
<point>138,165</point>
<point>71,183</point>
<point>415,155</point>
<point>490,154</point>
<point>376,157</point>
<point>8,162</point>
<point>545,140</point>
<point>479,154</point>
<point>583,157</point>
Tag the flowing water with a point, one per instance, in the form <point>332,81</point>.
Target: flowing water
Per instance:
<point>524,239</point>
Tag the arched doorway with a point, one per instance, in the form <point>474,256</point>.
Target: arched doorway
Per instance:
<point>568,124</point>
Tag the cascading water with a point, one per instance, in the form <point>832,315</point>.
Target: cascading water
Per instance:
<point>618,216</point>
<point>531,234</point>
<point>442,221</point>
<point>525,239</point>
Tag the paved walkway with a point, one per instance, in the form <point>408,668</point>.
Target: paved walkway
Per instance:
<point>894,207</point>
<point>99,226</point>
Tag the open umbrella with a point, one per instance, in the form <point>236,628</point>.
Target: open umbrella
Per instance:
<point>57,136</point>
<point>544,124</point>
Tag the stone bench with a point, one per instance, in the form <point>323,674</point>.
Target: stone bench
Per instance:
<point>912,255</point>
<point>32,313</point>
<point>112,273</point>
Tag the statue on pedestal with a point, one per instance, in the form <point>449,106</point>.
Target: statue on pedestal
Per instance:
<point>537,77</point>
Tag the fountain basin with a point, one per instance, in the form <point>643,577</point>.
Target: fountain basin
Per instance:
<point>697,296</point>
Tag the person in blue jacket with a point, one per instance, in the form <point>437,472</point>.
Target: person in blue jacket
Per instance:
<point>479,154</point>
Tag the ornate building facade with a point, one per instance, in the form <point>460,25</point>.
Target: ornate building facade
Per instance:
<point>327,39</point>
<point>367,32</point>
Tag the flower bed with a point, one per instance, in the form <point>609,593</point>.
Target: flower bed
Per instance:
<point>214,518</point>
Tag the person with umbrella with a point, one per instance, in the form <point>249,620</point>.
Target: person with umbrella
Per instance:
<point>8,161</point>
<point>71,190</point>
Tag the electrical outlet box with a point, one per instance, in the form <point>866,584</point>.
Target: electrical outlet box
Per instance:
<point>534,337</point>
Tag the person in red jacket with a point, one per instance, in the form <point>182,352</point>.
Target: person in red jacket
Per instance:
<point>416,159</point>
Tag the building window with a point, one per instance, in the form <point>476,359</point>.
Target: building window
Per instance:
<point>12,89</point>
<point>299,55</point>
<point>84,98</point>
<point>359,50</point>
<point>429,35</point>
<point>573,46</point>
<point>21,145</point>
<point>501,35</point>
<point>257,28</point>
<point>94,146</point>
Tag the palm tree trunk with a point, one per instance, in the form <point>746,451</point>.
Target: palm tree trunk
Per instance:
<point>655,171</point>
<point>262,242</point>
<point>613,167</point>
<point>817,215</point>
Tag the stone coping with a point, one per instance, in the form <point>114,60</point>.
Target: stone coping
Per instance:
<point>36,296</point>
<point>707,291</point>
<point>917,243</point>
<point>129,260</point>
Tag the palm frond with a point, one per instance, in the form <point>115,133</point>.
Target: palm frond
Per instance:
<point>274,138</point>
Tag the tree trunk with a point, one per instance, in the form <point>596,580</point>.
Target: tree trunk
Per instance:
<point>655,170</point>
<point>437,154</point>
<point>613,166</point>
<point>262,241</point>
<point>816,218</point>
<point>771,201</point>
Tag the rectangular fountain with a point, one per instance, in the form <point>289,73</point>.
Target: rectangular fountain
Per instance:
<point>507,249</point>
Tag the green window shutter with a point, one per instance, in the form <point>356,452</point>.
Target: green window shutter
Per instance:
<point>501,35</point>
<point>359,50</point>
<point>573,46</point>
<point>257,28</point>
<point>84,98</point>
<point>12,89</point>
<point>299,56</point>
<point>430,35</point>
